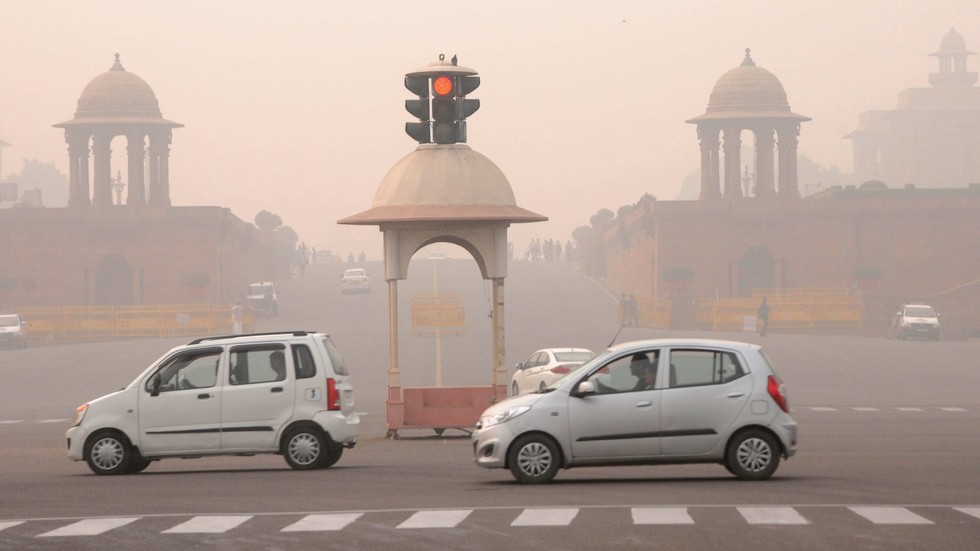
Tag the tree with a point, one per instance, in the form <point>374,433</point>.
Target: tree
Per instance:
<point>266,220</point>
<point>601,218</point>
<point>43,176</point>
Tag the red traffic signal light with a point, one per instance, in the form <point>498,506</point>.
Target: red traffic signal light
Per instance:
<point>443,86</point>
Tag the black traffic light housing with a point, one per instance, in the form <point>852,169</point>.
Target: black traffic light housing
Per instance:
<point>442,106</point>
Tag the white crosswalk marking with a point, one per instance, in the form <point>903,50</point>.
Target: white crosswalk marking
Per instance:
<point>11,422</point>
<point>208,525</point>
<point>322,523</point>
<point>890,515</point>
<point>10,524</point>
<point>972,511</point>
<point>435,519</point>
<point>661,515</point>
<point>772,515</point>
<point>545,517</point>
<point>88,527</point>
<point>53,421</point>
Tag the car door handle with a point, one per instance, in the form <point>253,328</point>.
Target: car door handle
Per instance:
<point>644,404</point>
<point>203,396</point>
<point>736,394</point>
<point>276,389</point>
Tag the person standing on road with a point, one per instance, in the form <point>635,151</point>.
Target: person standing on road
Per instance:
<point>237,317</point>
<point>763,314</point>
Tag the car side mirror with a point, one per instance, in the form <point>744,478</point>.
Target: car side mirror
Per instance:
<point>155,385</point>
<point>585,388</point>
<point>519,366</point>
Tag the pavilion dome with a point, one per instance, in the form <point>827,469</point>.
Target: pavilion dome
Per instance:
<point>748,91</point>
<point>118,92</point>
<point>952,43</point>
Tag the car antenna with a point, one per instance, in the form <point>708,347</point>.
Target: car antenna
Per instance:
<point>615,336</point>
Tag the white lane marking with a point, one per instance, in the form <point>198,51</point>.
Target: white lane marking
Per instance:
<point>972,511</point>
<point>11,422</point>
<point>436,519</point>
<point>322,523</point>
<point>53,421</point>
<point>88,527</point>
<point>772,515</point>
<point>208,525</point>
<point>823,409</point>
<point>545,517</point>
<point>661,515</point>
<point>953,409</point>
<point>11,524</point>
<point>866,409</point>
<point>890,515</point>
<point>909,409</point>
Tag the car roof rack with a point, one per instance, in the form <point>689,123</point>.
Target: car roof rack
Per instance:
<point>220,337</point>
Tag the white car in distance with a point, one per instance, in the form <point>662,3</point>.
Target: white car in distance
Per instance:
<point>355,279</point>
<point>546,366</point>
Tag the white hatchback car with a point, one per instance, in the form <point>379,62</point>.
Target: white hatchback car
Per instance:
<point>278,393</point>
<point>545,366</point>
<point>646,402</point>
<point>355,279</point>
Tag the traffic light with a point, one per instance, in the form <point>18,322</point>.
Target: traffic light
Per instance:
<point>441,107</point>
<point>419,131</point>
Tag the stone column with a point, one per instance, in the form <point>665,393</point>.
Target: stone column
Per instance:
<point>102,171</point>
<point>733,162</point>
<point>77,167</point>
<point>499,368</point>
<point>135,151</point>
<point>710,185</point>
<point>788,183</point>
<point>765,185</point>
<point>159,169</point>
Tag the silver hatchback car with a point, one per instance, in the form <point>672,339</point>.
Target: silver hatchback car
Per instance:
<point>647,402</point>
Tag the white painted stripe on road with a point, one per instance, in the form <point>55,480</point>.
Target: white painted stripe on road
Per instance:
<point>866,409</point>
<point>53,421</point>
<point>11,524</point>
<point>545,517</point>
<point>322,523</point>
<point>823,409</point>
<point>207,525</point>
<point>11,422</point>
<point>661,515</point>
<point>953,409</point>
<point>890,515</point>
<point>909,409</point>
<point>972,511</point>
<point>436,519</point>
<point>772,515</point>
<point>88,527</point>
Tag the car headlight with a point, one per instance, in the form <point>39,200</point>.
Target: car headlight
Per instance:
<point>79,415</point>
<point>502,417</point>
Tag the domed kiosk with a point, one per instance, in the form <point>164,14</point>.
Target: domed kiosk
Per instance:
<point>444,193</point>
<point>118,103</point>
<point>748,97</point>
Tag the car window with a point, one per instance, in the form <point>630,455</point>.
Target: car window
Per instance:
<point>335,358</point>
<point>190,370</point>
<point>303,362</point>
<point>920,312</point>
<point>634,372</point>
<point>255,364</point>
<point>573,356</point>
<point>702,367</point>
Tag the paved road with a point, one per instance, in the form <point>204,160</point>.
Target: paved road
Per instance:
<point>890,443</point>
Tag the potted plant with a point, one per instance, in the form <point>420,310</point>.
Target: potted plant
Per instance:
<point>678,278</point>
<point>196,283</point>
<point>867,276</point>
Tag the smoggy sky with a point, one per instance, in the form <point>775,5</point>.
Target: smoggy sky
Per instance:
<point>297,107</point>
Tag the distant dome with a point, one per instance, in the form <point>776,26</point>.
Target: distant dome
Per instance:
<point>748,91</point>
<point>118,93</point>
<point>953,43</point>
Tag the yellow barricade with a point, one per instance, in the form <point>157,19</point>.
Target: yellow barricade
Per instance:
<point>788,309</point>
<point>161,320</point>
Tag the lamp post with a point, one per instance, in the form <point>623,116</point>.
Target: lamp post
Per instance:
<point>118,185</point>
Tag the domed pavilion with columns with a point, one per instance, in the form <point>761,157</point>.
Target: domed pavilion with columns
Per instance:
<point>98,252</point>
<point>737,244</point>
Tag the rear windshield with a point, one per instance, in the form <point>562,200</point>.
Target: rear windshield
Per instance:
<point>573,356</point>
<point>9,321</point>
<point>338,362</point>
<point>920,311</point>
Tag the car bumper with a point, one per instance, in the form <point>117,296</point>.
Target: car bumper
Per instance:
<point>342,429</point>
<point>76,442</point>
<point>490,446</point>
<point>787,431</point>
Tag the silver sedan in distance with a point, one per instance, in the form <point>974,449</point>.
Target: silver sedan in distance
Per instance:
<point>647,402</point>
<point>545,367</point>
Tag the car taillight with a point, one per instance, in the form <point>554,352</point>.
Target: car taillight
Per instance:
<point>333,395</point>
<point>560,369</point>
<point>778,393</point>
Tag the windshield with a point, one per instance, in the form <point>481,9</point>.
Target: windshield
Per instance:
<point>9,321</point>
<point>259,289</point>
<point>920,312</point>
<point>577,356</point>
<point>353,273</point>
<point>575,373</point>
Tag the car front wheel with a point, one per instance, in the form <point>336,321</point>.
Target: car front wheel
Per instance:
<point>514,390</point>
<point>753,455</point>
<point>305,448</point>
<point>534,459</point>
<point>108,453</point>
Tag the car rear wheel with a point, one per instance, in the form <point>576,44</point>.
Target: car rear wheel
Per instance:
<point>534,459</point>
<point>753,455</point>
<point>305,448</point>
<point>108,452</point>
<point>332,456</point>
<point>514,389</point>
